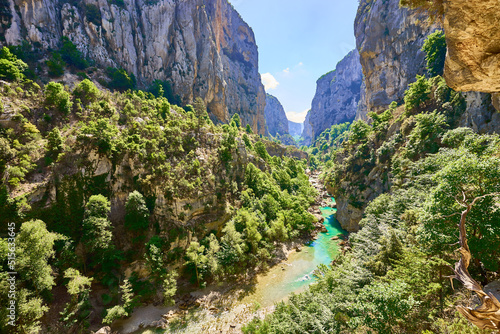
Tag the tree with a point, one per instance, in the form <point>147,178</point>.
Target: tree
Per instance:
<point>248,129</point>
<point>169,288</point>
<point>57,97</point>
<point>34,248</point>
<point>56,65</point>
<point>97,233</point>
<point>86,91</point>
<point>435,50</point>
<point>71,55</point>
<point>78,308</point>
<point>195,255</point>
<point>121,80</point>
<point>123,310</point>
<point>261,151</point>
<point>136,212</point>
<point>417,94</point>
<point>54,142</point>
<point>11,68</point>
<point>236,121</point>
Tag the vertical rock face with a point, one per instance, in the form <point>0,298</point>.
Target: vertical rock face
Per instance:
<point>203,47</point>
<point>473,38</point>
<point>307,133</point>
<point>337,95</point>
<point>277,123</point>
<point>389,40</point>
<point>295,129</point>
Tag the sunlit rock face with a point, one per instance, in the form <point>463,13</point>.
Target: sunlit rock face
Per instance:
<point>203,47</point>
<point>337,95</point>
<point>277,123</point>
<point>473,37</point>
<point>389,40</point>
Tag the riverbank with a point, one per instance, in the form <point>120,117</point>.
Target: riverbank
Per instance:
<point>225,308</point>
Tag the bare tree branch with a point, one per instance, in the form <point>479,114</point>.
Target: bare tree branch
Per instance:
<point>487,314</point>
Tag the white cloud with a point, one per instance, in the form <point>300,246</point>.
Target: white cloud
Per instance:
<point>286,70</point>
<point>297,117</point>
<point>301,63</point>
<point>269,81</point>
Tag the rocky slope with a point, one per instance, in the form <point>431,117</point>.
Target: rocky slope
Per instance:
<point>337,95</point>
<point>389,40</point>
<point>203,47</point>
<point>473,39</point>
<point>276,121</point>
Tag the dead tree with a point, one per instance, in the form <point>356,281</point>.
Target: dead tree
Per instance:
<point>487,314</point>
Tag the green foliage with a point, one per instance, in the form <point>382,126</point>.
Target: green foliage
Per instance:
<point>123,310</point>
<point>102,134</point>
<point>71,55</point>
<point>169,288</point>
<point>97,233</point>
<point>137,213</point>
<point>11,68</point>
<point>260,149</point>
<point>195,256</point>
<point>425,136</point>
<point>78,309</point>
<point>120,79</point>
<point>58,98</point>
<point>54,142</point>
<point>417,94</point>
<point>93,14</point>
<point>56,65</point>
<point>34,248</point>
<point>236,121</point>
<point>248,129</point>
<point>435,50</point>
<point>86,91</point>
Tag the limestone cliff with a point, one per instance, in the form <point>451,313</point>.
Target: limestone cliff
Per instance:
<point>295,129</point>
<point>389,40</point>
<point>307,132</point>
<point>337,95</point>
<point>203,47</point>
<point>276,121</point>
<point>473,39</point>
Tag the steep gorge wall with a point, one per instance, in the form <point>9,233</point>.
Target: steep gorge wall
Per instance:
<point>337,95</point>
<point>389,40</point>
<point>203,47</point>
<point>276,120</point>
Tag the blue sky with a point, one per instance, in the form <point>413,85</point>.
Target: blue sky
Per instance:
<point>298,41</point>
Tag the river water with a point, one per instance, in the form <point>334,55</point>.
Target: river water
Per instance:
<point>295,274</point>
<point>290,276</point>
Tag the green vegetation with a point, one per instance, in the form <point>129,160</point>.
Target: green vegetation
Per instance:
<point>115,166</point>
<point>435,50</point>
<point>411,171</point>
<point>11,68</point>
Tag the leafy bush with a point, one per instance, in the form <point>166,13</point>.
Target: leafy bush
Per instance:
<point>137,213</point>
<point>120,79</point>
<point>435,49</point>
<point>417,94</point>
<point>57,97</point>
<point>56,65</point>
<point>11,68</point>
<point>71,55</point>
<point>86,91</point>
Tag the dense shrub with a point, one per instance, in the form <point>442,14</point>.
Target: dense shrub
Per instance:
<point>435,49</point>
<point>11,68</point>
<point>71,55</point>
<point>120,79</point>
<point>86,91</point>
<point>57,97</point>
